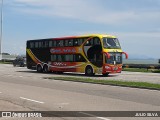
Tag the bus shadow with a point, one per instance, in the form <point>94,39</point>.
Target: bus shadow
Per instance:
<point>70,74</point>
<point>83,75</point>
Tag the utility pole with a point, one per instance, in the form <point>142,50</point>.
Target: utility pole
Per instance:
<point>1,37</point>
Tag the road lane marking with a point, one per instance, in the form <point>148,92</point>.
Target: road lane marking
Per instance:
<point>102,118</point>
<point>20,76</point>
<point>0,92</point>
<point>32,100</point>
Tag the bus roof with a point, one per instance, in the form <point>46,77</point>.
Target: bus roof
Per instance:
<point>72,37</point>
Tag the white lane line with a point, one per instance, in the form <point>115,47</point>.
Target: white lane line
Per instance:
<point>0,92</point>
<point>32,100</point>
<point>20,76</point>
<point>102,118</point>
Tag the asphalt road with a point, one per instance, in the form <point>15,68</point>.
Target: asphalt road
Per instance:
<point>25,90</point>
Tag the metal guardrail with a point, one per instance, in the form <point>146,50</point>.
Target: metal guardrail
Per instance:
<point>146,66</point>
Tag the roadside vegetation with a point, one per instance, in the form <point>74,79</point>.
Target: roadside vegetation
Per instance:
<point>141,70</point>
<point>3,62</point>
<point>144,85</point>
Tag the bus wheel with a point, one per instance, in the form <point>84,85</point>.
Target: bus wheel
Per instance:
<point>45,69</point>
<point>89,71</point>
<point>105,74</point>
<point>39,68</point>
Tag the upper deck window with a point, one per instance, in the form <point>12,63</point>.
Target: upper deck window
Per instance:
<point>111,43</point>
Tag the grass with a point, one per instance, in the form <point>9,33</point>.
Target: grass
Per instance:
<point>5,62</point>
<point>141,70</point>
<point>156,71</point>
<point>110,82</point>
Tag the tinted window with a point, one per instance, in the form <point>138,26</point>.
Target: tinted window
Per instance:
<point>67,58</point>
<point>50,43</point>
<point>31,44</point>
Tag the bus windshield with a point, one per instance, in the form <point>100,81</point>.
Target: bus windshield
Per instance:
<point>111,43</point>
<point>114,57</point>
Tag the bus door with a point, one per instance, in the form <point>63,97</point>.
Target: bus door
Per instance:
<point>93,51</point>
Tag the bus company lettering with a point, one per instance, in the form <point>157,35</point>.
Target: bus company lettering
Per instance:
<point>62,50</point>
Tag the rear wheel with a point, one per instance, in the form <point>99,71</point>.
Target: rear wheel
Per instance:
<point>89,71</point>
<point>39,69</point>
<point>45,69</point>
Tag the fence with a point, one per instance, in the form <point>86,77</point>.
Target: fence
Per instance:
<point>146,66</point>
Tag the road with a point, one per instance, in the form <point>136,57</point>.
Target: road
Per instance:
<point>25,90</point>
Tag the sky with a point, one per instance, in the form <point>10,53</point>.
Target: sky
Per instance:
<point>136,23</point>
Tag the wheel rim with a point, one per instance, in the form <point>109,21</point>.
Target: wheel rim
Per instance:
<point>45,69</point>
<point>39,69</point>
<point>89,71</point>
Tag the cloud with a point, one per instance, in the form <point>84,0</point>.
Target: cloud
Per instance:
<point>88,10</point>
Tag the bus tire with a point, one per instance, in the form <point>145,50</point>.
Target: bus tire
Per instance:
<point>39,68</point>
<point>89,71</point>
<point>45,69</point>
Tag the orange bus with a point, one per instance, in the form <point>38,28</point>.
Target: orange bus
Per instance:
<point>89,54</point>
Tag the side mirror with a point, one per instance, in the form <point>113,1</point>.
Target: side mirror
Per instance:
<point>125,54</point>
<point>107,54</point>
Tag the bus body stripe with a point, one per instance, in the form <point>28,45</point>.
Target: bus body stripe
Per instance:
<point>68,66</point>
<point>33,56</point>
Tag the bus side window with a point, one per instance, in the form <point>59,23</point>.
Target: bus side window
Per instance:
<point>53,58</point>
<point>54,43</point>
<point>80,41</point>
<point>79,58</point>
<point>59,58</point>
<point>61,43</point>
<point>68,58</point>
<point>36,45</point>
<point>88,43</point>
<point>31,44</point>
<point>96,41</point>
<point>66,43</point>
<point>70,43</point>
<point>46,44</point>
<point>40,44</point>
<point>50,43</point>
<point>91,42</point>
<point>75,42</point>
<point>43,44</point>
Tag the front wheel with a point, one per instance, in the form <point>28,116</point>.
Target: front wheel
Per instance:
<point>89,71</point>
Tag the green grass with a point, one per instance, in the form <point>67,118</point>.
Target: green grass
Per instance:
<point>141,70</point>
<point>156,71</point>
<point>110,82</point>
<point>5,62</point>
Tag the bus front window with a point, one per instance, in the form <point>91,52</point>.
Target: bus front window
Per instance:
<point>114,58</point>
<point>111,43</point>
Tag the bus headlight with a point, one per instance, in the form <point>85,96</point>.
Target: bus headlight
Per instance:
<point>107,67</point>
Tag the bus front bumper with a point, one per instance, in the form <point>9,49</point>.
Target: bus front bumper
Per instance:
<point>112,68</point>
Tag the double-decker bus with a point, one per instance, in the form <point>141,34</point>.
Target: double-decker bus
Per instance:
<point>89,54</point>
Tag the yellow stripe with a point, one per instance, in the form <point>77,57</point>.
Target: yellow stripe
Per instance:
<point>32,56</point>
